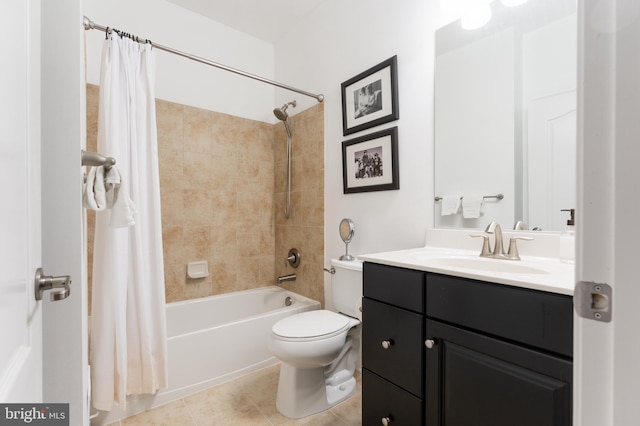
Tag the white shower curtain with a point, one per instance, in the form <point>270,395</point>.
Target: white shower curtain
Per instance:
<point>128,352</point>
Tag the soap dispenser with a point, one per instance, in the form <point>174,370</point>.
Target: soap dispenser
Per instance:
<point>567,239</point>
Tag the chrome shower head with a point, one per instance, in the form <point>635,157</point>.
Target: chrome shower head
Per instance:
<point>281,113</point>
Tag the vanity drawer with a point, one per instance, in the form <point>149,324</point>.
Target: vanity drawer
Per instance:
<point>402,361</point>
<point>539,319</point>
<point>382,399</point>
<point>397,286</point>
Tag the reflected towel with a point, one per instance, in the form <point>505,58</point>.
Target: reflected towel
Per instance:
<point>450,205</point>
<point>472,206</point>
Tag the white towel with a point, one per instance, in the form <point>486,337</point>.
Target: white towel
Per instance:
<point>123,210</point>
<point>94,192</point>
<point>472,206</point>
<point>450,205</point>
<point>103,190</point>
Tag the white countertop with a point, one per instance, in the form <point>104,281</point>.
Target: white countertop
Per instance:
<point>537,273</point>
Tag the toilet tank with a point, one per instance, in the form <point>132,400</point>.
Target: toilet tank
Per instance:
<point>346,286</point>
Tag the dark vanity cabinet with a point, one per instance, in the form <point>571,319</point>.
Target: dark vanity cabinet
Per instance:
<point>392,346</point>
<point>444,350</point>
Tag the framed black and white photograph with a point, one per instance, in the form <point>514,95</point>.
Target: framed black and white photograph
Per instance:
<point>370,98</point>
<point>370,163</point>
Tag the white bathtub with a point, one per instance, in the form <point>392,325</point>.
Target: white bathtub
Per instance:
<point>215,339</point>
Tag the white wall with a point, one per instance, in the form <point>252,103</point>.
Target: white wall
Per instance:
<point>340,40</point>
<point>182,80</point>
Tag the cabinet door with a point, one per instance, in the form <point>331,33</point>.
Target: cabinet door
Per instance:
<point>383,401</point>
<point>393,344</point>
<point>472,379</point>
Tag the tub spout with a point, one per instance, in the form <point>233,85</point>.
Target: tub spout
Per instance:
<point>290,277</point>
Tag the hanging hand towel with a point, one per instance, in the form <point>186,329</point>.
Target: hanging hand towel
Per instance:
<point>472,206</point>
<point>94,192</point>
<point>450,205</point>
<point>123,210</point>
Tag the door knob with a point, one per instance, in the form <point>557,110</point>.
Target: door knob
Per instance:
<point>429,343</point>
<point>386,421</point>
<point>387,343</point>
<point>45,282</point>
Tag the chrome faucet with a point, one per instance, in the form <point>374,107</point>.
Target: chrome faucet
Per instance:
<point>283,278</point>
<point>498,249</point>
<point>498,245</point>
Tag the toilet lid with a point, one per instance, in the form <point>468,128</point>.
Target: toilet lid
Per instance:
<point>310,324</point>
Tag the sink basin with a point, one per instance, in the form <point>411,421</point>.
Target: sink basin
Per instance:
<point>488,265</point>
<point>474,262</point>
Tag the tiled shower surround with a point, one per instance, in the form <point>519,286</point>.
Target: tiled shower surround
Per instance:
<point>222,181</point>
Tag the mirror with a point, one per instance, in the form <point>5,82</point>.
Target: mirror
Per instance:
<point>505,116</point>
<point>347,229</point>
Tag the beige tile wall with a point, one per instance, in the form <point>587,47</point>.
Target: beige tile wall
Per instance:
<point>222,187</point>
<point>304,229</point>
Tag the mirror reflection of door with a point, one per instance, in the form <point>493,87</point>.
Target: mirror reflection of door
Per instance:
<point>551,160</point>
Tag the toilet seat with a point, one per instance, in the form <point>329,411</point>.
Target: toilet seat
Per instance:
<point>311,325</point>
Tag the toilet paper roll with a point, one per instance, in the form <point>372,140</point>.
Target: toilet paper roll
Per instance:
<point>359,309</point>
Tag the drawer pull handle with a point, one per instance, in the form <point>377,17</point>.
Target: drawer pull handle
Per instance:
<point>386,421</point>
<point>429,343</point>
<point>387,343</point>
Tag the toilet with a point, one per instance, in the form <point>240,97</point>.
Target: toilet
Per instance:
<point>319,349</point>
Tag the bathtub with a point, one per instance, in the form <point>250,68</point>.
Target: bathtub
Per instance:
<point>215,339</point>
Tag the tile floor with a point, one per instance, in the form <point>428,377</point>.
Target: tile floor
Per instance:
<point>249,400</point>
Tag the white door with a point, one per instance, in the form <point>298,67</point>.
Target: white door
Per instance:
<point>606,354</point>
<point>42,117</point>
<point>20,246</point>
<point>551,160</point>
<point>65,334</point>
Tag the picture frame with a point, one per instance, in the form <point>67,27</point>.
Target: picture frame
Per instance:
<point>370,98</point>
<point>370,162</point>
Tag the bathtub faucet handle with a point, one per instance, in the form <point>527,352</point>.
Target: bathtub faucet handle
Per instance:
<point>294,257</point>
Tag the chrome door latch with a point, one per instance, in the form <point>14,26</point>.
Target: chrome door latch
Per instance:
<point>593,300</point>
<point>44,282</point>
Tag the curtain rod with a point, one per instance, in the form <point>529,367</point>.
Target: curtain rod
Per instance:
<point>90,25</point>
